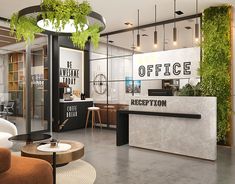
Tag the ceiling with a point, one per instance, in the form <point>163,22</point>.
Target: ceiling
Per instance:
<point>117,12</point>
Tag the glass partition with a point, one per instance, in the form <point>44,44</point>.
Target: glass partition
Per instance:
<point>13,82</point>
<point>112,65</point>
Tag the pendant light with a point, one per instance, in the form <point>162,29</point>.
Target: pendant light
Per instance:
<point>196,25</point>
<point>174,29</point>
<point>138,35</point>
<point>155,32</point>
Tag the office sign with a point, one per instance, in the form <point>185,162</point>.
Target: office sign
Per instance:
<point>72,68</point>
<point>172,64</point>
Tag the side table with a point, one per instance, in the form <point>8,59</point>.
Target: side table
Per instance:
<point>55,158</point>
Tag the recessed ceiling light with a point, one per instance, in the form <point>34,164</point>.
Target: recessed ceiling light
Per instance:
<point>179,12</point>
<point>190,20</point>
<point>187,27</point>
<point>128,24</point>
<point>145,35</point>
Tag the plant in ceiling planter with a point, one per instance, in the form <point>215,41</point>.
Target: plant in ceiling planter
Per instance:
<point>24,28</point>
<point>58,14</point>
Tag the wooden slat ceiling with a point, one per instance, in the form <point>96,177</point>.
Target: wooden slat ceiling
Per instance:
<point>6,38</point>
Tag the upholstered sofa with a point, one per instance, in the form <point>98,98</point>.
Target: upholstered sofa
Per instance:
<point>23,170</point>
<point>112,112</point>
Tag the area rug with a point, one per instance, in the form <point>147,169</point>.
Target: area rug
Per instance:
<point>76,172</point>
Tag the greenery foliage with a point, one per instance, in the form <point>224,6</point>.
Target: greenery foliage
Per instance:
<point>59,13</point>
<point>190,90</point>
<point>215,68</point>
<point>24,28</point>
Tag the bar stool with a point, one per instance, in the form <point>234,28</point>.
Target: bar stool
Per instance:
<point>93,110</point>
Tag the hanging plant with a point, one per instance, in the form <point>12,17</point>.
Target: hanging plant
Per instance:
<point>58,13</point>
<point>24,28</point>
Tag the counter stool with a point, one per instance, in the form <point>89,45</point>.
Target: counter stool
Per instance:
<point>93,110</point>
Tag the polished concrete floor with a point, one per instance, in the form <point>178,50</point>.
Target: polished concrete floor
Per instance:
<point>128,165</point>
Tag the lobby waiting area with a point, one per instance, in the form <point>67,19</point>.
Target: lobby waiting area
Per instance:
<point>117,92</point>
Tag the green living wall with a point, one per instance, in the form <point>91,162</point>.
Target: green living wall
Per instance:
<point>216,64</point>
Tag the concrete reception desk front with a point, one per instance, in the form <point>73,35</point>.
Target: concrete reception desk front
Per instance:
<point>179,125</point>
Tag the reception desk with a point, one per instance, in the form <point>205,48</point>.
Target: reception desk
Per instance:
<point>179,125</point>
<point>73,113</point>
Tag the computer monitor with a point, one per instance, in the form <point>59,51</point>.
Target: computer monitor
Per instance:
<point>160,92</point>
<point>68,90</point>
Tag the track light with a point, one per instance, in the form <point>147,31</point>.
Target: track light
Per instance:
<point>155,32</point>
<point>174,36</point>
<point>155,39</point>
<point>138,35</point>
<point>174,29</point>
<point>196,25</point>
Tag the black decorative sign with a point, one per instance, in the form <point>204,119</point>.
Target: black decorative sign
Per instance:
<point>144,102</point>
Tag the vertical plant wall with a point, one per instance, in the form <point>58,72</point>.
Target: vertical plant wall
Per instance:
<point>216,64</point>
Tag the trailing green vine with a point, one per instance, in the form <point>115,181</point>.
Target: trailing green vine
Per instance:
<point>58,13</point>
<point>215,69</point>
<point>24,28</point>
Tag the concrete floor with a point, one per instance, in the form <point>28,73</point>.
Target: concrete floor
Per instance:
<point>128,165</point>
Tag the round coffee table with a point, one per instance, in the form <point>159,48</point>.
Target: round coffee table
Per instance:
<point>74,153</point>
<point>30,138</point>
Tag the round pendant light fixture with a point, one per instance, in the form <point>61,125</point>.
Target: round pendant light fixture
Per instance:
<point>69,18</point>
<point>92,19</point>
<point>68,28</point>
<point>155,31</point>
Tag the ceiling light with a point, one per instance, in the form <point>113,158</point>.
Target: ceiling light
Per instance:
<point>155,31</point>
<point>138,35</point>
<point>92,19</point>
<point>179,12</point>
<point>68,28</point>
<point>145,35</point>
<point>174,29</point>
<point>128,24</point>
<point>188,27</point>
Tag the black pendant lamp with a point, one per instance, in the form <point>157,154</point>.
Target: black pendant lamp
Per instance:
<point>155,32</point>
<point>196,25</point>
<point>174,29</point>
<point>138,35</point>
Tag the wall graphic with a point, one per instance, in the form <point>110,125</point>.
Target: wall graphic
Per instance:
<point>72,68</point>
<point>172,64</point>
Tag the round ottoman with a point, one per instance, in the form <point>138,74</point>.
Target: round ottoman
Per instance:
<point>4,142</point>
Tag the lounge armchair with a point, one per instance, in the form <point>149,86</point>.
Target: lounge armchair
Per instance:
<point>23,170</point>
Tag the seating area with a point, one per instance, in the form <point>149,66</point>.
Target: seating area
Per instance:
<point>117,92</point>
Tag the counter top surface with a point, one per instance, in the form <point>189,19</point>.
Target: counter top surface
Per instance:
<point>76,100</point>
<point>167,114</point>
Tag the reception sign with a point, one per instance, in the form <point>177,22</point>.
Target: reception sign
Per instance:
<point>172,64</point>
<point>71,68</point>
